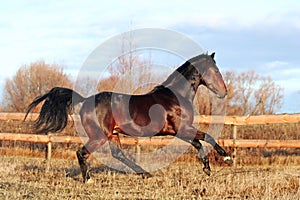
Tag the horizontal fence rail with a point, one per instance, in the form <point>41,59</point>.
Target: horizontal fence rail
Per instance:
<point>156,141</point>
<point>235,121</point>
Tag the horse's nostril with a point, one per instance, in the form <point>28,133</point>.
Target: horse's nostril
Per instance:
<point>222,95</point>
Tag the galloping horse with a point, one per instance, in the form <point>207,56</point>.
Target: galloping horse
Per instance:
<point>165,110</point>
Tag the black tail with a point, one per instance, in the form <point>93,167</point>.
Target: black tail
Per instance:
<point>53,116</point>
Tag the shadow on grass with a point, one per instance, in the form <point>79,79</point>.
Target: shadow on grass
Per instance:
<point>75,173</point>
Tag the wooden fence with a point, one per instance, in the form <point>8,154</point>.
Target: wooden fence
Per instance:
<point>234,121</point>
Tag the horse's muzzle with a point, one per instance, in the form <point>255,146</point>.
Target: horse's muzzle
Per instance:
<point>222,95</point>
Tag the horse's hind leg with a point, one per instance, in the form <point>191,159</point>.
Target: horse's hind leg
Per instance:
<point>83,154</point>
<point>117,153</point>
<point>96,139</point>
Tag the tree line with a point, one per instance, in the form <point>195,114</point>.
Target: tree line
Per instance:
<point>248,92</point>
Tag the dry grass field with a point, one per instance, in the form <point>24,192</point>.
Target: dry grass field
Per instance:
<point>259,174</point>
<point>33,178</point>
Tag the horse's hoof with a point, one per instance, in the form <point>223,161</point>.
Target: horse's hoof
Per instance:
<point>146,175</point>
<point>206,171</point>
<point>89,181</point>
<point>228,160</point>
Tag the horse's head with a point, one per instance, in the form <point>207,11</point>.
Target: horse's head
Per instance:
<point>210,75</point>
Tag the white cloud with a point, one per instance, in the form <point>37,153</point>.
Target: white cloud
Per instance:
<point>275,65</point>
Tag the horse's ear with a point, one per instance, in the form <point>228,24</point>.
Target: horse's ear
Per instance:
<point>213,55</point>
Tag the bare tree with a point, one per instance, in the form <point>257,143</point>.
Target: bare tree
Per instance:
<point>230,81</point>
<point>108,84</point>
<point>31,81</point>
<point>86,85</point>
<point>251,93</point>
<point>268,97</point>
<point>202,101</point>
<point>245,87</point>
<point>130,73</point>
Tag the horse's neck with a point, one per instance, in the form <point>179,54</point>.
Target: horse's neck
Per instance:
<point>184,81</point>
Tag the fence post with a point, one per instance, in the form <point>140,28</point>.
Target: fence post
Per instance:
<point>137,151</point>
<point>234,136</point>
<point>49,148</point>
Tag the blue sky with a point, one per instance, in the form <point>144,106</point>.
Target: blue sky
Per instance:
<point>259,35</point>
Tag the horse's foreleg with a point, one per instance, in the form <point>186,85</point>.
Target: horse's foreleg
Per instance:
<point>209,139</point>
<point>192,135</point>
<point>202,155</point>
<point>117,153</point>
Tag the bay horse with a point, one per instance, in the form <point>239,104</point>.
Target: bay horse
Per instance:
<point>165,110</point>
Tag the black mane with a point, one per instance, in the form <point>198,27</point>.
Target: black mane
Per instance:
<point>187,69</point>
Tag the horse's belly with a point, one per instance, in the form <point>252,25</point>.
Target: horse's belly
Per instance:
<point>136,130</point>
<point>151,129</point>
